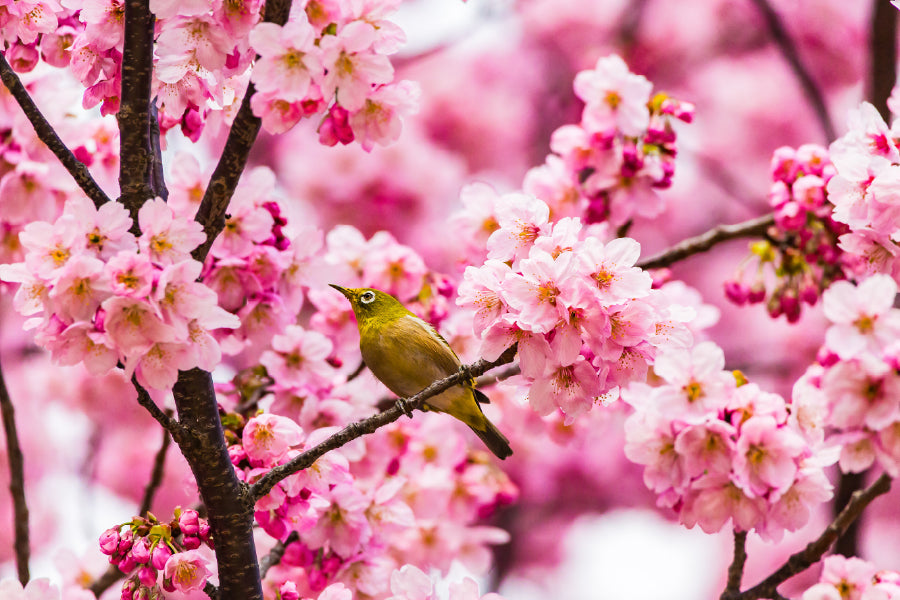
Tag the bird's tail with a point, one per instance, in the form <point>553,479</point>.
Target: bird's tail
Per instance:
<point>494,440</point>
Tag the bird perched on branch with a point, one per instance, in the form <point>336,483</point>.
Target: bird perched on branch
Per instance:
<point>407,355</point>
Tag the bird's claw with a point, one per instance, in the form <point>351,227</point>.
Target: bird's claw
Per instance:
<point>465,372</point>
<point>404,406</point>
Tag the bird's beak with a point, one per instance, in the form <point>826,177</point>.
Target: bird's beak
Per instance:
<point>344,291</point>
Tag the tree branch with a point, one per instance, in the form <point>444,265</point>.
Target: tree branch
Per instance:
<point>159,463</point>
<point>800,561</point>
<point>167,422</point>
<point>244,129</point>
<point>16,483</point>
<point>736,569</point>
<point>48,135</point>
<point>882,55</point>
<point>276,554</point>
<point>753,228</point>
<point>354,430</point>
<point>229,506</point>
<point>789,51</point>
<point>135,153</point>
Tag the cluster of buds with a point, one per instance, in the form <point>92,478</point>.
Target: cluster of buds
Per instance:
<point>801,250</point>
<point>145,546</point>
<point>607,167</point>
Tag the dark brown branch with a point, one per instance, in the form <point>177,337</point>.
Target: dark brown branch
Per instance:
<point>882,55</point>
<point>244,129</point>
<point>814,551</point>
<point>47,134</point>
<point>753,228</point>
<point>229,506</point>
<point>159,463</point>
<point>105,581</point>
<point>848,543</point>
<point>16,483</point>
<point>354,430</point>
<point>736,569</point>
<point>276,554</point>
<point>135,153</point>
<point>157,177</point>
<point>789,50</point>
<point>144,399</point>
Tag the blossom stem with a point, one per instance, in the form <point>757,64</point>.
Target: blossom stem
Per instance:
<point>276,554</point>
<point>721,233</point>
<point>802,560</point>
<point>48,135</point>
<point>371,424</point>
<point>135,152</point>
<point>16,483</point>
<point>144,399</point>
<point>789,50</point>
<point>156,475</point>
<point>225,177</point>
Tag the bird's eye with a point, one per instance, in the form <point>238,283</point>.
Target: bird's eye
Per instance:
<point>367,297</point>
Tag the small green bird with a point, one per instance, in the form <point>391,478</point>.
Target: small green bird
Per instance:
<point>407,355</point>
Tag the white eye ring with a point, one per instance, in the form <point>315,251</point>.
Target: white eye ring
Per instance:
<point>367,297</point>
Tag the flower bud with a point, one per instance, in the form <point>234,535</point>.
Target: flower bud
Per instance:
<point>159,556</point>
<point>109,541</point>
<point>147,576</point>
<point>189,522</point>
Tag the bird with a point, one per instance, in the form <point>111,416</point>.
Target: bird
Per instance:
<point>407,355</point>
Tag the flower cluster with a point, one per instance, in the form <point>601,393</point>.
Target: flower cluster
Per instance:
<point>852,578</point>
<point>410,583</point>
<point>411,493</point>
<point>330,58</point>
<point>852,396</point>
<point>801,249</point>
<point>865,192</point>
<point>145,547</point>
<point>105,296</point>
<point>334,58</point>
<point>256,270</point>
<point>585,319</point>
<point>608,166</point>
<point>716,448</point>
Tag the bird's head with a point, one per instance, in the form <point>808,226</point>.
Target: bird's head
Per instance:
<point>371,306</point>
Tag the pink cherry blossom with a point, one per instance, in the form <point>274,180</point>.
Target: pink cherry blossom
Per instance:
<point>352,66</point>
<point>764,456</point>
<point>188,570</point>
<point>521,219</point>
<point>163,237</point>
<point>290,61</point>
<point>298,357</point>
<point>268,437</point>
<point>614,97</point>
<point>863,316</point>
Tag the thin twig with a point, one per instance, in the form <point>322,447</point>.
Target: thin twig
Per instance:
<point>135,153</point>
<point>16,483</point>
<point>357,371</point>
<point>48,135</point>
<point>789,50</point>
<point>882,55</point>
<point>802,560</point>
<point>144,399</point>
<point>105,581</point>
<point>486,380</point>
<point>244,129</point>
<point>354,430</point>
<point>276,554</point>
<point>736,569</point>
<point>159,463</point>
<point>753,228</point>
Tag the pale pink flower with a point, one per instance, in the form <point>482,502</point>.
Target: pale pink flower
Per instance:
<point>165,238</point>
<point>130,274</point>
<point>481,290</point>
<point>379,120</point>
<point>36,589</point>
<point>26,193</point>
<point>187,570</point>
<point>706,447</point>
<point>166,9</point>
<point>765,456</point>
<point>49,247</point>
<point>133,325</point>
<point>477,220</point>
<point>572,388</point>
<point>32,293</point>
<point>533,349</point>
<point>267,438</point>
<point>862,315</point>
<point>395,269</point>
<point>611,271</point>
<point>343,526</point>
<point>80,288</point>
<point>852,576</point>
<point>650,441</point>
<point>79,342</point>
<point>107,227</point>
<point>614,97</point>
<point>539,294</point>
<point>336,591</point>
<point>198,38</point>
<point>521,219</point>
<point>697,385</point>
<point>861,392</point>
<point>158,367</point>
<point>715,499</point>
<point>352,66</point>
<point>289,58</point>
<point>857,451</point>
<point>410,583</point>
<point>299,357</point>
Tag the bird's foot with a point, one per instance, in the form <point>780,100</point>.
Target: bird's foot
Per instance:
<point>404,406</point>
<point>465,372</point>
